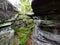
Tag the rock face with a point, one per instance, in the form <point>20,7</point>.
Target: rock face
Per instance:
<point>47,31</point>
<point>45,35</point>
<point>7,16</point>
<point>6,10</point>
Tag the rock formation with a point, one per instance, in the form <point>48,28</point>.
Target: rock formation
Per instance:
<point>7,16</point>
<point>47,31</point>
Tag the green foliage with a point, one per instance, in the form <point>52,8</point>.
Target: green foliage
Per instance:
<point>26,26</point>
<point>22,39</point>
<point>23,29</point>
<point>27,23</point>
<point>25,6</point>
<point>14,43</point>
<point>30,21</point>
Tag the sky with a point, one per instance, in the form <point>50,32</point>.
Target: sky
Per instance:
<point>14,1</point>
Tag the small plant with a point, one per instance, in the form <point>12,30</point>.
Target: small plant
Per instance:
<point>22,39</point>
